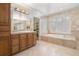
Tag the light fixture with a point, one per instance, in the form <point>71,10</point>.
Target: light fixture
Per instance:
<point>23,11</point>
<point>17,9</point>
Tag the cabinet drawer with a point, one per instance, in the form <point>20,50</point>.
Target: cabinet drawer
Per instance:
<point>4,33</point>
<point>30,36</point>
<point>23,36</point>
<point>4,24</point>
<point>15,49</point>
<point>15,36</point>
<point>4,28</point>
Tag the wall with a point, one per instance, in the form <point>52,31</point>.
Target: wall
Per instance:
<point>43,26</point>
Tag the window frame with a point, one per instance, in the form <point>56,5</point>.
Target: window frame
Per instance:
<point>59,16</point>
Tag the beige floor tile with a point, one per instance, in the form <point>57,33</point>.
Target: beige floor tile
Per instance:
<point>43,48</point>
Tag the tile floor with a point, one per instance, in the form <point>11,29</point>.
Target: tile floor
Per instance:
<point>48,49</point>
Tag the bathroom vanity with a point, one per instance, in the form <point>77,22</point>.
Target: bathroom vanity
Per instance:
<point>22,40</point>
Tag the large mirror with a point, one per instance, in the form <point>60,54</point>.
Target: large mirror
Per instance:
<point>20,21</point>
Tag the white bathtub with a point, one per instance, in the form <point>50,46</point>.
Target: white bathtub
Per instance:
<point>59,36</point>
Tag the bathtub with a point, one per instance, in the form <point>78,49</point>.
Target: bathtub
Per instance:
<point>63,40</point>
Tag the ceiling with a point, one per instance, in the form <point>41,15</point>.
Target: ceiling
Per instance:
<point>50,8</point>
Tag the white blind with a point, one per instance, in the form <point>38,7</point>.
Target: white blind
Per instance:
<point>60,24</point>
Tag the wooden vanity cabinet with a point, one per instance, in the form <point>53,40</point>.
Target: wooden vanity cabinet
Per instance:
<point>15,43</point>
<point>22,41</point>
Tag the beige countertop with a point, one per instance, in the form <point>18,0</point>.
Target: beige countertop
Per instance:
<point>18,32</point>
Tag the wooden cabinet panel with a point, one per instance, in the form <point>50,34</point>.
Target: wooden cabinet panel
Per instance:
<point>4,33</point>
<point>4,24</point>
<point>4,12</point>
<point>4,28</point>
<point>4,46</point>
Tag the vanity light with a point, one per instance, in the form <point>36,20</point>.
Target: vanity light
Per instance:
<point>17,9</point>
<point>21,11</point>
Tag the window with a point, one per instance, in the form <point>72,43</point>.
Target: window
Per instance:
<point>60,24</point>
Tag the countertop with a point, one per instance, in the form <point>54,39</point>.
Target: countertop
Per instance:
<point>18,32</point>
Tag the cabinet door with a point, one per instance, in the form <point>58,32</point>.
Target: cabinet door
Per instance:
<point>4,12</point>
<point>15,43</point>
<point>23,41</point>
<point>4,46</point>
<point>30,39</point>
<point>15,49</point>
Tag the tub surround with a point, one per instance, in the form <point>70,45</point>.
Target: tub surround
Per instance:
<point>60,40</point>
<point>60,36</point>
